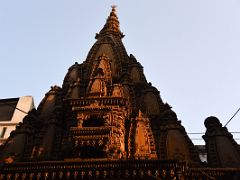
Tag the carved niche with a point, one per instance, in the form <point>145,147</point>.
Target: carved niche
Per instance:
<point>100,78</point>
<point>142,145</point>
<point>107,50</point>
<point>117,90</point>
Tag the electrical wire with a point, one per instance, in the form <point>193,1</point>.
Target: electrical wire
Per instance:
<point>232,117</point>
<point>16,108</point>
<point>204,133</point>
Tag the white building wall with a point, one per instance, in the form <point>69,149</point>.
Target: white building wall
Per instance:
<point>25,104</point>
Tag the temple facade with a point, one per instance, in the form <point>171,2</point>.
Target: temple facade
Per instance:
<point>107,121</point>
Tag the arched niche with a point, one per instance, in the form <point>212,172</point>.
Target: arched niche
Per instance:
<point>96,86</point>
<point>142,143</point>
<point>105,65</point>
<point>94,121</point>
<point>108,51</point>
<point>117,90</point>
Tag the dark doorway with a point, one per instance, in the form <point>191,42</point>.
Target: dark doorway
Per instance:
<point>90,152</point>
<point>93,121</point>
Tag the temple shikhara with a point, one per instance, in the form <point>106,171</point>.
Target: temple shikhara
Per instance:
<point>107,121</point>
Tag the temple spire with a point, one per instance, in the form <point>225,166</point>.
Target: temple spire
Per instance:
<point>112,25</point>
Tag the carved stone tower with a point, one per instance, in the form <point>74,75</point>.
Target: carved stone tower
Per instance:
<point>100,95</point>
<point>105,109</point>
<point>116,112</point>
<point>106,121</point>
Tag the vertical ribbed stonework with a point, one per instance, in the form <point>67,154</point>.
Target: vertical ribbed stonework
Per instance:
<point>112,24</point>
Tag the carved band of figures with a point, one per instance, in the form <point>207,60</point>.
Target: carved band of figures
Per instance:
<point>91,130</point>
<point>90,142</point>
<point>98,101</point>
<point>88,173</point>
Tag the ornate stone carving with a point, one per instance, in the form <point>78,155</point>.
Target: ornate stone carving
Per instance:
<point>141,140</point>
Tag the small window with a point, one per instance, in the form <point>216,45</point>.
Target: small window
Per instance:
<point>3,132</point>
<point>94,121</point>
<point>87,152</point>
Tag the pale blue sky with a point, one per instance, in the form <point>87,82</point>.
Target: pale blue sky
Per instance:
<point>190,49</point>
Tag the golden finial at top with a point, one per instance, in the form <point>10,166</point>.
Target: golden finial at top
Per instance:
<point>114,7</point>
<point>111,25</point>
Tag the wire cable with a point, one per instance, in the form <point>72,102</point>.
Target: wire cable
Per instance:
<point>232,117</point>
<point>204,133</point>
